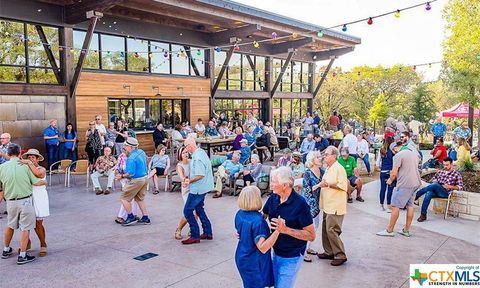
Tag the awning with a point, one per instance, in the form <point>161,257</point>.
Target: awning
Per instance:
<point>460,111</point>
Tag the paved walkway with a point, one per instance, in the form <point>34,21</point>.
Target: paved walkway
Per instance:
<point>87,249</point>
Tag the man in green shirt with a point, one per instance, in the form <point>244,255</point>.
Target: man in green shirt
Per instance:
<point>16,182</point>
<point>350,164</point>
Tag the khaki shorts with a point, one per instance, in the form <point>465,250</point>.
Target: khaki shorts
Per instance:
<point>21,214</point>
<point>135,189</point>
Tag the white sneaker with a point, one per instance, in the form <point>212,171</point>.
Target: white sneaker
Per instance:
<point>389,210</point>
<point>385,233</point>
<point>404,233</point>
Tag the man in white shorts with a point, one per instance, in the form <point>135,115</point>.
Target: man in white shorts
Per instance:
<point>405,164</point>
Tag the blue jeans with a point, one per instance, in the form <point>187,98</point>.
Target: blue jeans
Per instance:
<point>433,190</point>
<point>366,160</point>
<point>196,203</point>
<point>384,187</point>
<point>69,154</point>
<point>285,270</point>
<point>52,151</point>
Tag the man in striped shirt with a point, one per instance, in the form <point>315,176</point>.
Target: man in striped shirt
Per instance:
<point>443,183</point>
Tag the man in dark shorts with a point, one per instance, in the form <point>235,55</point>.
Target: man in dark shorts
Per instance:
<point>405,163</point>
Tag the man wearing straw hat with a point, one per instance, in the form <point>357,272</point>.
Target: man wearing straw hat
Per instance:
<point>16,187</point>
<point>136,188</point>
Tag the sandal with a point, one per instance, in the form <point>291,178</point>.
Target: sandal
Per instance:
<point>307,259</point>
<point>312,252</point>
<point>178,234</point>
<point>119,220</point>
<point>43,252</point>
<point>156,192</point>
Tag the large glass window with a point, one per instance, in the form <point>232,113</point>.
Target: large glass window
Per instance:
<point>288,110</point>
<point>113,52</point>
<point>160,57</point>
<point>239,108</point>
<point>295,78</point>
<point>197,62</point>
<point>145,113</point>
<point>92,60</point>
<point>180,62</point>
<point>28,63</point>
<point>244,72</point>
<point>137,55</point>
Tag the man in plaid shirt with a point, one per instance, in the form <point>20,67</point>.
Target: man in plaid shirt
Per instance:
<point>444,182</point>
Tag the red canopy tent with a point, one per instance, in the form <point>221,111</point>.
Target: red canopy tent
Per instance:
<point>460,111</point>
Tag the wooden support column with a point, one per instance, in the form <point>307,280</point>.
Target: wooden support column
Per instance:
<point>324,76</point>
<point>86,45</point>
<point>67,62</point>
<point>284,67</point>
<point>48,51</point>
<point>210,73</point>
<point>222,71</point>
<point>311,77</point>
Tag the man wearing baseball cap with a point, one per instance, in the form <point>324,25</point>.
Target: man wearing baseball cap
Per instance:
<point>136,188</point>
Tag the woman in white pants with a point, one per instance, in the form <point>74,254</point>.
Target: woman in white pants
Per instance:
<point>311,192</point>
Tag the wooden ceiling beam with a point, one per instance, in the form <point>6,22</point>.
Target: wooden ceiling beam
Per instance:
<point>76,13</point>
<point>327,54</point>
<point>285,46</point>
<point>222,38</point>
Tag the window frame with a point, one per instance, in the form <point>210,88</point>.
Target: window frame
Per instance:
<point>26,66</point>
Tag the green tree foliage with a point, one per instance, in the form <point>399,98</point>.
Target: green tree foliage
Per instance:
<point>378,113</point>
<point>461,49</point>
<point>422,106</point>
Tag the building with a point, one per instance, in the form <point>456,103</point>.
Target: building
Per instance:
<point>151,60</point>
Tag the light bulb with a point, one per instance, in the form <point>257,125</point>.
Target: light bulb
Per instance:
<point>344,28</point>
<point>397,14</point>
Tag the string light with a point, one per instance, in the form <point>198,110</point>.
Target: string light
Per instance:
<point>370,21</point>
<point>428,7</point>
<point>217,49</point>
<point>397,14</point>
<point>294,35</point>
<point>256,44</point>
<point>236,47</point>
<point>344,28</point>
<point>320,34</point>
<point>274,35</point>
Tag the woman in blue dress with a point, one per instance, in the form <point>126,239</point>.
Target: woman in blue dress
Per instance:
<point>70,147</point>
<point>311,192</point>
<point>253,257</point>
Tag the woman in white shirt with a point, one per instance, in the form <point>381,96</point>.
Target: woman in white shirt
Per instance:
<point>176,136</point>
<point>199,127</point>
<point>362,151</point>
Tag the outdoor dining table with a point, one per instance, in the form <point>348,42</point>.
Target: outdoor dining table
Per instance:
<point>213,142</point>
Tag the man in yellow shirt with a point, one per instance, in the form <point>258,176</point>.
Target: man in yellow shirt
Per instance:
<point>333,202</point>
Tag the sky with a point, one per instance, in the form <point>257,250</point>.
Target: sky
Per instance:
<point>414,38</point>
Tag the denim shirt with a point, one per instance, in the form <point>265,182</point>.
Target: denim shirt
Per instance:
<point>49,132</point>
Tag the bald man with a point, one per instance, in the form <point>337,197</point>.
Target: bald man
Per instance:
<point>4,144</point>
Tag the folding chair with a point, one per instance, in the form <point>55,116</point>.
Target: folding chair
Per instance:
<point>81,168</point>
<point>62,169</point>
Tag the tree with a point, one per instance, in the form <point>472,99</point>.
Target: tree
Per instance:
<point>379,111</point>
<point>422,106</point>
<point>461,50</point>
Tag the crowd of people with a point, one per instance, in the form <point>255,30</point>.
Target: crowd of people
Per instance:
<point>315,181</point>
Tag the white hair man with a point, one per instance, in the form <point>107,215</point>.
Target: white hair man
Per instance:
<point>5,139</point>
<point>289,214</point>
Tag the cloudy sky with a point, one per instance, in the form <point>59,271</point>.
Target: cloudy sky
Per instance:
<point>414,38</point>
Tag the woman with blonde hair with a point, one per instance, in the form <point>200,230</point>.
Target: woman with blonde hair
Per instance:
<point>463,151</point>
<point>254,240</point>
<point>311,192</point>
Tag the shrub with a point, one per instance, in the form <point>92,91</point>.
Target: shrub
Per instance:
<point>466,166</point>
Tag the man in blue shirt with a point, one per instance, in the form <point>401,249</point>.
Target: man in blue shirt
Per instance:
<point>199,182</point>
<point>50,135</point>
<point>228,170</point>
<point>316,122</point>
<point>438,129</point>
<point>211,130</point>
<point>320,143</point>
<point>136,188</point>
<point>308,144</point>
<point>289,214</point>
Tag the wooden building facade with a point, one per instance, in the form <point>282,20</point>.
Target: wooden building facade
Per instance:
<point>154,60</point>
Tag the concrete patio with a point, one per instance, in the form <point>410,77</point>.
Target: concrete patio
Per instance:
<point>87,249</point>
